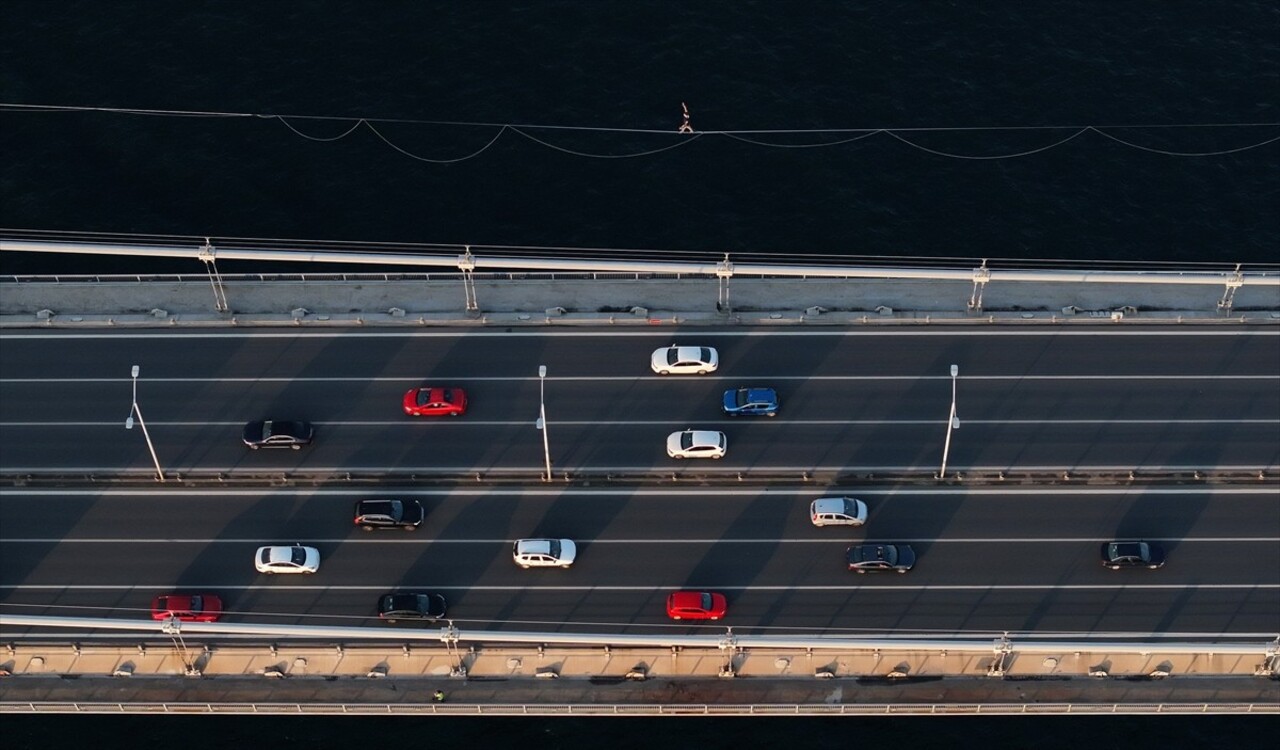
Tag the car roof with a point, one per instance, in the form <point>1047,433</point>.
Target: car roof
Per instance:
<point>535,546</point>
<point>831,505</point>
<point>691,599</point>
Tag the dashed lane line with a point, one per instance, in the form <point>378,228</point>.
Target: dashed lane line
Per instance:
<point>808,540</point>
<point>859,586</point>
<point>665,333</point>
<point>461,423</point>
<point>410,379</point>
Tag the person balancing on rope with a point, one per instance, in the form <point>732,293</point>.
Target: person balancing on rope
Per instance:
<point>685,127</point>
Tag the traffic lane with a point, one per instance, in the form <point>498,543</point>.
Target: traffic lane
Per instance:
<point>652,398</point>
<point>449,354</point>
<point>906,513</point>
<point>695,564</point>
<point>1135,610</point>
<point>756,445</point>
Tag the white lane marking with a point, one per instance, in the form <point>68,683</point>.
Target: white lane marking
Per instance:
<point>456,423</point>
<point>859,585</point>
<point>411,379</point>
<point>665,333</point>
<point>1269,491</point>
<point>363,539</point>
<point>679,468</point>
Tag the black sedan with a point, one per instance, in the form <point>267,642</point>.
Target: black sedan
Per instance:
<point>389,514</point>
<point>878,557</point>
<point>278,434</point>
<point>411,606</point>
<point>1134,554</point>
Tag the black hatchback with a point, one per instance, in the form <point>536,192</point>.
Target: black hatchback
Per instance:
<point>278,434</point>
<point>389,514</point>
<point>1133,554</point>
<point>411,606</point>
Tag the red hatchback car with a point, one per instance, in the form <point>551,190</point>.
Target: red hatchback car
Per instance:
<point>696,605</point>
<point>187,607</point>
<point>435,402</point>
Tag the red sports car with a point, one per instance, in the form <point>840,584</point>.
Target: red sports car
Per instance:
<point>187,607</point>
<point>435,402</point>
<point>696,605</point>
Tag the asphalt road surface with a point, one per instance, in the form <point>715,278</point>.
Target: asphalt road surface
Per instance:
<point>1019,559</point>
<point>1124,398</point>
<point>990,560</point>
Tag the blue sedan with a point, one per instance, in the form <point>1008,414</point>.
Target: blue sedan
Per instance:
<point>751,401</point>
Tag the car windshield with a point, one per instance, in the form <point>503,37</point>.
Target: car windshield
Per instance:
<point>704,354</point>
<point>266,429</point>
<point>554,548</point>
<point>742,395</point>
<point>706,602</point>
<point>197,603</point>
<point>686,440</point>
<point>298,556</point>
<point>266,555</point>
<point>424,396</point>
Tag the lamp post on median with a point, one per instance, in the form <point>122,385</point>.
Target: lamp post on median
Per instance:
<point>953,423</point>
<point>128,425</point>
<point>542,417</point>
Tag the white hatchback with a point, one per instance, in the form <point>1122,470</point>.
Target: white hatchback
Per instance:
<point>697,444</point>
<point>544,553</point>
<point>685,360</point>
<point>838,511</point>
<point>291,559</point>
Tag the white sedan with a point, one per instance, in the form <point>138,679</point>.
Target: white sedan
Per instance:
<point>292,559</point>
<point>685,360</point>
<point>697,444</point>
<point>544,553</point>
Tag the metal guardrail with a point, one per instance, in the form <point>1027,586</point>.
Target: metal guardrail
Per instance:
<point>699,477</point>
<point>646,709</point>
<point>187,278</point>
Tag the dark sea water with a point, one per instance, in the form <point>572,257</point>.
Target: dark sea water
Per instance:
<point>739,66</point>
<point>629,65</point>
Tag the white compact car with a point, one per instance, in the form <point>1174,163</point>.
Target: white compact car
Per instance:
<point>291,559</point>
<point>838,511</point>
<point>697,444</point>
<point>685,360</point>
<point>544,553</point>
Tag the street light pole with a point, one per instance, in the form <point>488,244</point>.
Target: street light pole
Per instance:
<point>542,417</point>
<point>953,423</point>
<point>128,425</point>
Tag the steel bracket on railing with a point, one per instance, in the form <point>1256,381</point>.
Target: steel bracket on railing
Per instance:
<point>1234,282</point>
<point>1271,661</point>
<point>981,276</point>
<point>467,264</point>
<point>724,271</point>
<point>1003,648</point>
<point>210,258</point>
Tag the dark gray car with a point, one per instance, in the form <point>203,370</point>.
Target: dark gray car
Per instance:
<point>272,433</point>
<point>411,605</point>
<point>878,557</point>
<point>389,514</point>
